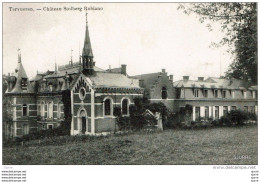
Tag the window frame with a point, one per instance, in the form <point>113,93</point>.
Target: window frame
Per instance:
<point>164,90</point>
<point>196,92</point>
<point>25,106</point>
<point>80,95</point>
<point>111,106</point>
<point>48,110</point>
<point>127,108</point>
<point>206,95</point>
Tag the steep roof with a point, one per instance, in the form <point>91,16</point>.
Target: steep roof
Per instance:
<point>76,68</point>
<point>19,75</point>
<point>213,82</point>
<point>113,80</point>
<point>114,70</point>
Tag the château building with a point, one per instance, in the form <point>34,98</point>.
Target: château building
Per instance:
<point>92,92</point>
<point>88,95</point>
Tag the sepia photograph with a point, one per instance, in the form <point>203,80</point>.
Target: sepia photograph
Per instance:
<point>130,84</point>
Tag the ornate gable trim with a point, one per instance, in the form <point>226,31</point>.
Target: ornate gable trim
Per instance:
<point>86,82</point>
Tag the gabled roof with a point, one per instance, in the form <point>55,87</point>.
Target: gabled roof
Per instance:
<point>149,79</point>
<point>113,80</point>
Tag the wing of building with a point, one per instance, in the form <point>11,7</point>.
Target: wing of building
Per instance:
<point>209,98</point>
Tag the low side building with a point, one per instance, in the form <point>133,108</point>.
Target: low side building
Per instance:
<point>213,97</point>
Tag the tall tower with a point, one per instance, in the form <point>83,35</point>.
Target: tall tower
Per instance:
<point>87,55</point>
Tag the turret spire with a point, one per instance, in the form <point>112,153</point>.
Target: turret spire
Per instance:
<point>87,55</point>
<point>87,50</point>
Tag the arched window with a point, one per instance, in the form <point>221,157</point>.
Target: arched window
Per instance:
<point>125,107</point>
<point>42,109</point>
<point>50,110</point>
<point>164,93</point>
<point>108,107</point>
<point>24,110</point>
<point>50,87</point>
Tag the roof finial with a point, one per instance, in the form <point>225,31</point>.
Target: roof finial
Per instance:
<point>79,54</point>
<point>71,57</point>
<point>19,55</point>
<point>86,18</point>
<point>55,65</point>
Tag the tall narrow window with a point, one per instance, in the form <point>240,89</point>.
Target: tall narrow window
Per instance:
<point>50,110</point>
<point>206,112</point>
<point>42,109</point>
<point>197,113</point>
<point>24,110</point>
<point>217,112</point>
<point>182,93</point>
<point>164,93</point>
<point>125,107</point>
<point>108,107</point>
<point>225,110</point>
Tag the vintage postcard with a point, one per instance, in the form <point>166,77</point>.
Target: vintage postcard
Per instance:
<point>129,84</point>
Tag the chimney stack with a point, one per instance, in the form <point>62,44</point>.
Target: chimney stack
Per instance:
<point>163,70</point>
<point>171,78</point>
<point>186,78</point>
<point>123,69</point>
<point>201,79</point>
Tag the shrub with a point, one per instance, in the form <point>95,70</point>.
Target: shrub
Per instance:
<point>238,117</point>
<point>235,117</point>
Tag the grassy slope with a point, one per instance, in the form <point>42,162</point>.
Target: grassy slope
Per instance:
<point>211,146</point>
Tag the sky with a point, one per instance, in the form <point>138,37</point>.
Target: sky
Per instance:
<point>147,37</point>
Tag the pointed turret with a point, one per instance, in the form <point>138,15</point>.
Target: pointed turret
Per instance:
<point>21,80</point>
<point>87,55</point>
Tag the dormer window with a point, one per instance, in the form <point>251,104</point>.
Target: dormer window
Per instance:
<point>224,93</point>
<point>215,93</point>
<point>24,83</point>
<point>206,93</point>
<point>253,94</point>
<point>164,93</point>
<point>196,93</point>
<point>233,94</point>
<point>243,94</point>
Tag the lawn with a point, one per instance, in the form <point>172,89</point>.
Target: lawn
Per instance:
<point>236,145</point>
